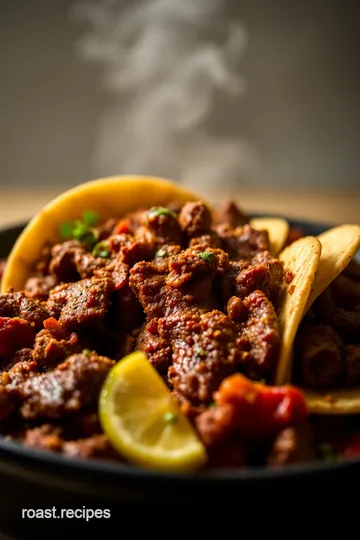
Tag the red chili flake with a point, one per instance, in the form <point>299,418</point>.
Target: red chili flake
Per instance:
<point>289,276</point>
<point>291,289</point>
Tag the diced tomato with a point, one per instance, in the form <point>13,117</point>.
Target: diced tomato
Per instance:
<point>54,327</point>
<point>352,448</point>
<point>260,411</point>
<point>123,227</point>
<point>15,334</point>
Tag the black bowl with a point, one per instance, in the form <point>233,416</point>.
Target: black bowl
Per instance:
<point>247,501</point>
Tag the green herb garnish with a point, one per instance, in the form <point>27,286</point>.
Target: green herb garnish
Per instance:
<point>170,418</point>
<point>160,253</point>
<point>157,211</point>
<point>207,256</point>
<point>81,230</point>
<point>87,353</point>
<point>200,352</point>
<point>101,250</point>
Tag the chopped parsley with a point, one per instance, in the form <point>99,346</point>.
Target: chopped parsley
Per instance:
<point>87,353</point>
<point>82,229</point>
<point>170,418</point>
<point>207,256</point>
<point>101,250</point>
<point>160,254</point>
<point>157,211</point>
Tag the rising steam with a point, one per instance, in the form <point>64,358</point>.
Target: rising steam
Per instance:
<point>165,64</point>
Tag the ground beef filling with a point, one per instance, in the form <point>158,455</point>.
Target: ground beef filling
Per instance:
<point>197,292</point>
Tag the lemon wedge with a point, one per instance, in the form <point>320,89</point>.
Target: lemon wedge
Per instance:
<point>143,422</point>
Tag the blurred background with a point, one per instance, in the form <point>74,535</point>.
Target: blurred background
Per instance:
<point>253,98</point>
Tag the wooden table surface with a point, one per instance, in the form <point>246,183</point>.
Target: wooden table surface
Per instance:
<point>19,205</point>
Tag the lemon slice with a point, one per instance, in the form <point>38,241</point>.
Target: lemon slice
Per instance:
<point>143,422</point>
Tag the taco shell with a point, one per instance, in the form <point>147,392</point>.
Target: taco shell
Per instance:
<point>301,260</point>
<point>108,197</point>
<point>277,228</point>
<point>339,401</point>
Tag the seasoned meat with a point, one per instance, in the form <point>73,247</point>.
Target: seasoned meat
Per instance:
<point>231,214</point>
<point>81,304</point>
<point>205,351</point>
<point>71,386</point>
<point>50,350</point>
<point>344,320</point>
<point>160,226</point>
<point>157,349</point>
<point>259,336</point>
<point>38,288</point>
<point>208,240</point>
<point>346,291</point>
<point>16,304</point>
<point>292,445</point>
<point>321,356</point>
<point>96,446</point>
<point>15,334</point>
<point>45,437</point>
<point>195,218</point>
<point>62,264</point>
<point>243,243</point>
<point>265,274</point>
<point>352,364</point>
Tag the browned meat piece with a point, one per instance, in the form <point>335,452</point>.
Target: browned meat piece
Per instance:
<point>230,455</point>
<point>16,304</point>
<point>45,437</point>
<point>352,364</point>
<point>86,264</point>
<point>293,445</point>
<point>266,274</point>
<point>6,407</point>
<point>208,240</point>
<point>130,249</point>
<point>205,351</point>
<point>42,266</point>
<point>352,270</point>
<point>226,281</point>
<point>49,350</point>
<point>126,312</point>
<point>347,321</point>
<point>96,446</point>
<point>216,425</point>
<point>259,338</point>
<point>162,225</point>
<point>71,386</point>
<point>234,308</point>
<point>15,334</point>
<point>157,349</point>
<point>116,271</point>
<point>19,372</point>
<point>195,218</point>
<point>243,242</point>
<point>194,271</point>
<point>229,213</point>
<point>295,233</point>
<point>62,265</point>
<point>321,356</point>
<point>81,304</point>
<point>324,304</point>
<point>346,291</point>
<point>106,229</point>
<point>38,288</point>
<point>22,355</point>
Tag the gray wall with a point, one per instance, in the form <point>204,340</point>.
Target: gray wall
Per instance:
<point>296,123</point>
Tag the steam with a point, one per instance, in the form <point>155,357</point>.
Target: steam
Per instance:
<point>165,65</point>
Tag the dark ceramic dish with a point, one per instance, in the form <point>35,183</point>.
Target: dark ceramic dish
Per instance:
<point>262,499</point>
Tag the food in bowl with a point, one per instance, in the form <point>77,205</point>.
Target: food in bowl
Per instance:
<point>150,327</point>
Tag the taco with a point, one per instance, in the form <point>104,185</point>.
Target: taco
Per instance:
<point>139,265</point>
<point>327,349</point>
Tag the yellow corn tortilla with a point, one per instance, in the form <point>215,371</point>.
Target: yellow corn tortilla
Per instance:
<point>301,259</point>
<point>277,228</point>
<point>339,246</point>
<point>108,197</point>
<point>339,401</point>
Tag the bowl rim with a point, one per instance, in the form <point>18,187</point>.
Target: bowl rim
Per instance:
<point>32,457</point>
